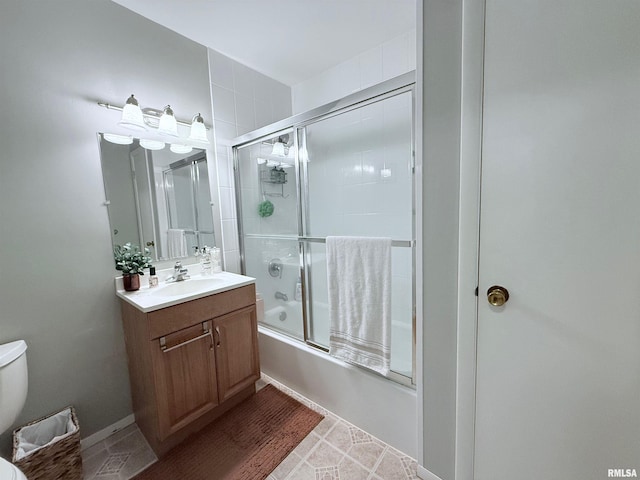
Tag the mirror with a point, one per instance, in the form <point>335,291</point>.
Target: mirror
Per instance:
<point>157,198</point>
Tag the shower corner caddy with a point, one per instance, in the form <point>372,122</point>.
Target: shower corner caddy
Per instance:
<point>274,176</point>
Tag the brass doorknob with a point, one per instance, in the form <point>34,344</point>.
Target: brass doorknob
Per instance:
<point>497,295</point>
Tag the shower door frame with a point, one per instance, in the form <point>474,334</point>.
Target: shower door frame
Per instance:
<point>295,126</point>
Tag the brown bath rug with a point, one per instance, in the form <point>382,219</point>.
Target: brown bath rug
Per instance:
<point>246,443</point>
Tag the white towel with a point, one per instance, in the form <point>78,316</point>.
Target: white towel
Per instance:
<point>177,243</point>
<point>359,279</point>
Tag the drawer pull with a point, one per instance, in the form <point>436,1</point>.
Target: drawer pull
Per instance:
<point>165,349</point>
<point>218,334</point>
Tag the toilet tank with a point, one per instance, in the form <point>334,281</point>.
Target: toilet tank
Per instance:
<point>13,381</point>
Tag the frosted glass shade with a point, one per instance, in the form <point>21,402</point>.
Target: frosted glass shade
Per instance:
<point>118,139</point>
<point>168,124</point>
<point>132,115</point>
<point>198,130</point>
<point>132,118</point>
<point>180,148</point>
<point>278,149</point>
<point>151,144</point>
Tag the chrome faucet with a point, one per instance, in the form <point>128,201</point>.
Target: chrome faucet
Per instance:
<point>282,296</point>
<point>180,273</point>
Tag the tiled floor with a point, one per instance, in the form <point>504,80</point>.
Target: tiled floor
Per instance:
<point>334,450</point>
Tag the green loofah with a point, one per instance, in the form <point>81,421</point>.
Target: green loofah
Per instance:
<point>265,209</point>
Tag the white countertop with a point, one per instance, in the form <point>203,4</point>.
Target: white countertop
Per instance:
<point>168,294</point>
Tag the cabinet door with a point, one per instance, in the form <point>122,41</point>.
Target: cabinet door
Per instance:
<point>185,375</point>
<point>236,351</point>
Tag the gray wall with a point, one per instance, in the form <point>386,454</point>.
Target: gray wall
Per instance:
<point>442,24</point>
<point>56,275</point>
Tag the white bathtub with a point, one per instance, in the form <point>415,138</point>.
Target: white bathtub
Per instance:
<point>382,407</point>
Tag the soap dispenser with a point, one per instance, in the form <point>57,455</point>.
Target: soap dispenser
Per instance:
<point>153,278</point>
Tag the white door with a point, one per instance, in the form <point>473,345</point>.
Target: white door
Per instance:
<point>558,366</point>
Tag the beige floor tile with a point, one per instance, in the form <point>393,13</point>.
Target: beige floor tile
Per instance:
<point>334,450</point>
<point>351,470</point>
<point>324,455</point>
<point>307,444</point>
<point>391,468</point>
<point>92,464</point>
<point>304,471</point>
<point>286,466</point>
<point>366,453</point>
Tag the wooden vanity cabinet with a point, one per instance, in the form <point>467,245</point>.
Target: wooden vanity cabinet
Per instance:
<point>191,362</point>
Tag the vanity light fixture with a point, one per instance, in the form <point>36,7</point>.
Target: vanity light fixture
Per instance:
<point>132,117</point>
<point>198,130</point>
<point>161,121</point>
<point>151,144</point>
<point>168,124</point>
<point>180,148</point>
<point>118,139</point>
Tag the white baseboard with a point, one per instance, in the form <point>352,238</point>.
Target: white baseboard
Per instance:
<point>106,432</point>
<point>425,474</point>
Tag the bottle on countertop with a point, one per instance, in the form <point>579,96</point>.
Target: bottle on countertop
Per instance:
<point>153,278</point>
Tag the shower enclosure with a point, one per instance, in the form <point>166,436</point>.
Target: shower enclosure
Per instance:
<point>343,169</point>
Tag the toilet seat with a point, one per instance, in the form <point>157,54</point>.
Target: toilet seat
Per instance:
<point>9,471</point>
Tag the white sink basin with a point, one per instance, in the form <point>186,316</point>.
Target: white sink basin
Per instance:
<point>168,294</point>
<point>186,286</point>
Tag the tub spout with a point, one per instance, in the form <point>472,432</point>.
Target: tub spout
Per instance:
<point>282,296</point>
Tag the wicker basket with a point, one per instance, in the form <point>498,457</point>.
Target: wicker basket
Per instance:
<point>59,460</point>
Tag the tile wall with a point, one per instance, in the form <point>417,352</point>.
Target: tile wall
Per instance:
<point>385,61</point>
<point>243,100</point>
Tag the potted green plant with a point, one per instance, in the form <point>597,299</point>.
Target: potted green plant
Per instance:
<point>131,261</point>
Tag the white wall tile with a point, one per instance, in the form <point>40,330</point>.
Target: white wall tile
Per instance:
<point>243,79</point>
<point>230,234</point>
<point>395,57</point>
<point>223,104</point>
<point>225,132</point>
<point>264,113</point>
<point>227,204</point>
<point>225,171</point>
<point>370,64</point>
<point>221,68</point>
<point>245,112</point>
<point>232,261</point>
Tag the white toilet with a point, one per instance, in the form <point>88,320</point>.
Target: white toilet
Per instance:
<point>13,393</point>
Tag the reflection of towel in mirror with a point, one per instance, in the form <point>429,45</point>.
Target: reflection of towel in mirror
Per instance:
<point>177,243</point>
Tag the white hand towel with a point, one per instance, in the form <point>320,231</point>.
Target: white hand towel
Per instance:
<point>359,279</point>
<point>177,243</point>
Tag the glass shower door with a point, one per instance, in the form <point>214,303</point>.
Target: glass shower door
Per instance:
<point>268,212</point>
<point>358,177</point>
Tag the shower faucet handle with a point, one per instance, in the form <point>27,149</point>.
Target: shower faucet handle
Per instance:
<point>275,268</point>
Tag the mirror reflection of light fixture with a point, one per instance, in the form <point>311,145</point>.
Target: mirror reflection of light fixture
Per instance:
<point>151,144</point>
<point>118,139</point>
<point>180,148</point>
<point>198,130</point>
<point>168,124</point>
<point>132,115</point>
<point>278,149</point>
